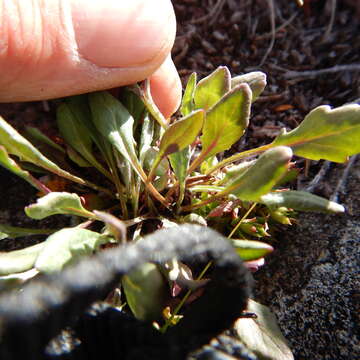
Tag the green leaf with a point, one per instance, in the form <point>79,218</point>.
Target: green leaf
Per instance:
<point>226,122</point>
<point>116,124</point>
<point>16,144</point>
<point>187,103</point>
<point>180,162</point>
<point>65,247</point>
<point>212,88</point>
<point>75,133</point>
<point>262,335</point>
<point>234,171</point>
<point>300,200</point>
<point>208,164</point>
<point>15,231</point>
<point>37,134</point>
<point>256,80</point>
<point>181,133</point>
<point>18,261</point>
<point>57,203</point>
<point>80,107</point>
<point>11,281</point>
<point>325,133</point>
<point>133,103</point>
<point>261,177</point>
<point>251,249</point>
<point>145,291</point>
<point>149,160</point>
<point>11,165</point>
<point>76,157</point>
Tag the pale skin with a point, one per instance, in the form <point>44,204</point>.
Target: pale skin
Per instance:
<point>57,48</point>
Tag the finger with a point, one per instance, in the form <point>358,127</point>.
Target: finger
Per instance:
<point>55,48</point>
<point>166,88</point>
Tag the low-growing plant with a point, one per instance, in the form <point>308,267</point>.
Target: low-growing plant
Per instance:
<point>149,173</point>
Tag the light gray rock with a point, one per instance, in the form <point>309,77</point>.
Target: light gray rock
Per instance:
<point>311,282</point>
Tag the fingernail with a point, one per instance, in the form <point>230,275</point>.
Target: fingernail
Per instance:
<point>114,33</point>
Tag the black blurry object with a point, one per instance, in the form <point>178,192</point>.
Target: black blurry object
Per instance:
<point>30,318</point>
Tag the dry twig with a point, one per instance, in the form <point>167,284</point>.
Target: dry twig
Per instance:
<point>272,22</point>
<point>212,15</point>
<point>314,73</point>
<point>341,183</point>
<point>331,22</point>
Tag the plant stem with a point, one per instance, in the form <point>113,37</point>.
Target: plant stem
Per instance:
<point>151,188</point>
<point>196,163</point>
<point>241,220</point>
<point>183,300</point>
<point>119,187</point>
<point>80,181</point>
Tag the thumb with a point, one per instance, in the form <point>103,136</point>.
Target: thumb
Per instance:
<point>55,48</point>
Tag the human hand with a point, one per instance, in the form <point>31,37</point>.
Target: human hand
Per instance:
<point>56,48</point>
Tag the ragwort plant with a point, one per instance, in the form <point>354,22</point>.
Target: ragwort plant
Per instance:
<point>148,173</point>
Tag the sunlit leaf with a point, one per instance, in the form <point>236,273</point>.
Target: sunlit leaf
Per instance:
<point>251,249</point>
<point>16,144</point>
<point>262,335</point>
<point>11,165</point>
<point>208,164</point>
<point>180,162</point>
<point>146,279</point>
<point>261,177</point>
<point>115,123</point>
<point>57,203</point>
<point>281,214</point>
<point>8,282</point>
<point>325,133</point>
<point>212,88</point>
<point>146,138</point>
<point>19,260</point>
<point>65,247</point>
<point>181,133</point>
<point>256,80</point>
<point>226,122</point>
<point>188,104</point>
<point>300,200</point>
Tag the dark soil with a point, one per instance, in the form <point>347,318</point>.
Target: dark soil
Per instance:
<point>308,62</point>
